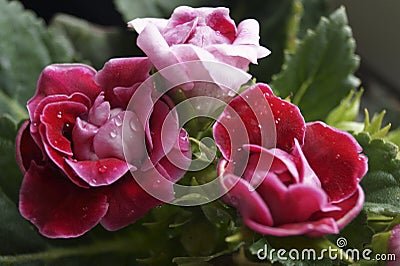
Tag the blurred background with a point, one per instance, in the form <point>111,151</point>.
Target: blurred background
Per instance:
<point>375,26</point>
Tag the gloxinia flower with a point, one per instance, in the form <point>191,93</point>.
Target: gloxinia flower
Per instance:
<point>206,34</point>
<point>78,169</point>
<point>394,245</point>
<point>300,179</point>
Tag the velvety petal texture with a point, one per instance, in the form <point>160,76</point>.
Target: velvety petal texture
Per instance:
<point>81,149</point>
<point>206,34</point>
<point>287,177</point>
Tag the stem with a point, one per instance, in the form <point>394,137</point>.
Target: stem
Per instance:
<point>300,93</point>
<point>121,245</point>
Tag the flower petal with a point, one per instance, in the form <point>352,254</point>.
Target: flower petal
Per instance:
<point>334,157</point>
<point>101,172</point>
<point>122,72</point>
<point>26,148</point>
<point>249,203</point>
<point>318,228</point>
<point>129,202</point>
<point>56,206</point>
<point>64,79</point>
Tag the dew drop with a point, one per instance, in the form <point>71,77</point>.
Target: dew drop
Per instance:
<point>59,114</point>
<point>158,181</point>
<point>283,104</point>
<point>239,149</point>
<point>259,126</point>
<point>85,208</point>
<point>102,169</point>
<point>94,181</point>
<point>118,120</point>
<point>231,93</point>
<point>113,134</point>
<point>337,156</point>
<point>132,125</point>
<point>35,124</point>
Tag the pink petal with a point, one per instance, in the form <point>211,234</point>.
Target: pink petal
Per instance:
<point>82,138</point>
<point>26,148</point>
<point>334,157</point>
<point>318,228</point>
<point>164,130</point>
<point>293,204</point>
<point>220,22</point>
<point>57,207</point>
<point>349,209</point>
<point>101,172</point>
<point>122,72</point>
<point>249,203</point>
<point>100,111</point>
<point>178,160</point>
<point>394,246</point>
<point>64,79</point>
<point>109,141</point>
<point>156,48</point>
<point>140,23</point>
<point>180,33</point>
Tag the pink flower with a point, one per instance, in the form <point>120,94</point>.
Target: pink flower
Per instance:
<point>71,151</point>
<point>307,184</point>
<point>394,245</point>
<point>206,34</point>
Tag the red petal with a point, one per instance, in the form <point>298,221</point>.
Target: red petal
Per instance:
<point>122,72</point>
<point>57,207</point>
<point>334,157</point>
<point>128,202</point>
<point>65,79</point>
<point>268,120</point>
<point>220,21</point>
<point>101,172</point>
<point>55,117</point>
<point>26,148</point>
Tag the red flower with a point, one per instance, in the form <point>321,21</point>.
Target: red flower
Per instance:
<point>76,163</point>
<point>307,184</point>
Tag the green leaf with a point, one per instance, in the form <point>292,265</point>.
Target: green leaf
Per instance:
<point>346,111</point>
<point>357,232</point>
<point>320,72</point>
<point>374,126</point>
<point>10,178</point>
<point>16,234</point>
<point>26,47</point>
<point>382,182</point>
<point>94,43</point>
<point>313,10</point>
<point>394,136</point>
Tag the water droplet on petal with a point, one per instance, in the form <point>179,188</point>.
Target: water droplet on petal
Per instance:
<point>337,156</point>
<point>239,149</point>
<point>231,93</point>
<point>132,124</point>
<point>59,114</point>
<point>113,134</point>
<point>35,124</point>
<point>102,169</point>
<point>118,120</point>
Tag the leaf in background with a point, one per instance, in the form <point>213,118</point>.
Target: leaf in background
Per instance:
<point>26,47</point>
<point>312,12</point>
<point>344,115</point>
<point>10,178</point>
<point>320,72</point>
<point>157,8</point>
<point>94,43</point>
<point>16,234</point>
<point>382,182</point>
<point>394,136</point>
<point>357,232</point>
